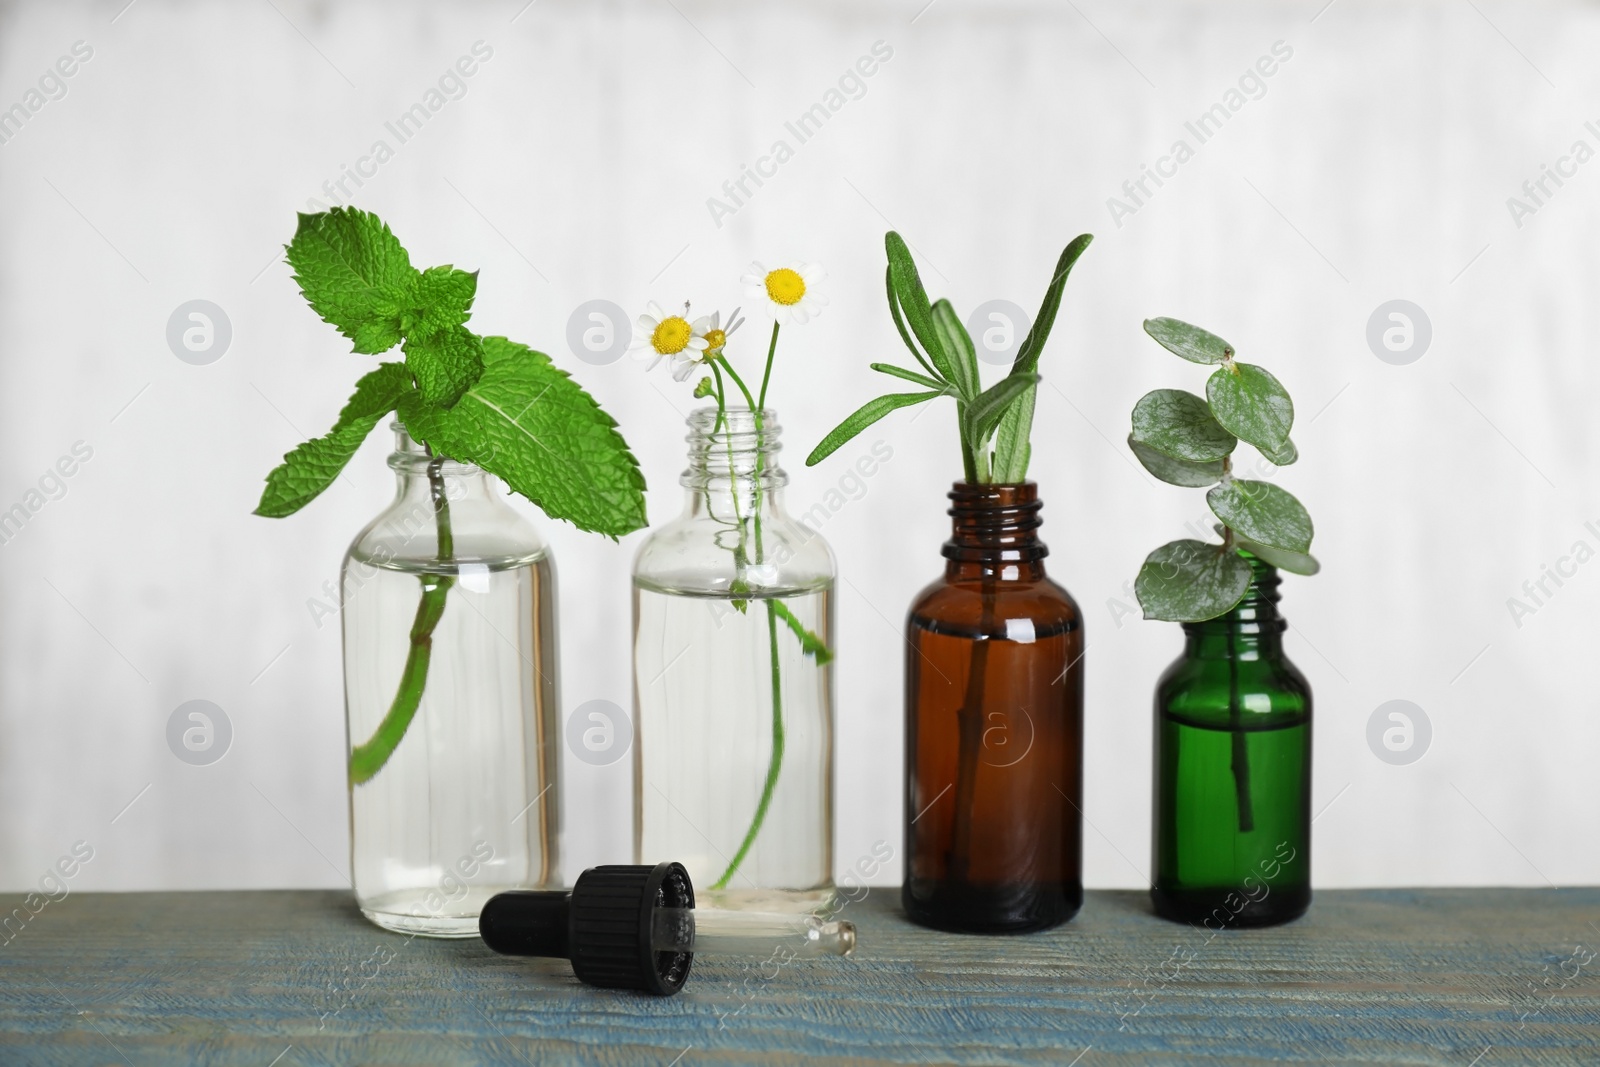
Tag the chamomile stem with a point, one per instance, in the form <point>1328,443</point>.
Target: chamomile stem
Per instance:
<point>774,765</point>
<point>766,375</point>
<point>748,399</point>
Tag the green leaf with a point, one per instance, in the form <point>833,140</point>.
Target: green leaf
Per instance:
<point>441,298</point>
<point>1191,581</point>
<point>1012,446</point>
<point>984,413</point>
<point>1028,355</point>
<point>861,418</point>
<point>1179,425</point>
<point>445,363</point>
<point>1283,456</point>
<point>1190,342</point>
<point>529,423</point>
<point>1250,403</point>
<point>1264,513</point>
<point>913,300</point>
<point>1293,562</point>
<point>900,322</point>
<point>1176,471</point>
<point>910,376</point>
<point>312,466</point>
<point>958,345</point>
<point>354,273</point>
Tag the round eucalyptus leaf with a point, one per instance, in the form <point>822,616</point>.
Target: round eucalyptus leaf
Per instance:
<point>1250,404</point>
<point>1190,342</point>
<point>1180,425</point>
<point>1293,562</point>
<point>1190,581</point>
<point>1284,456</point>
<point>1264,513</point>
<point>1176,471</point>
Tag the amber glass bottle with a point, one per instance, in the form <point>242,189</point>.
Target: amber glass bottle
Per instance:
<point>1232,801</point>
<point>994,728</point>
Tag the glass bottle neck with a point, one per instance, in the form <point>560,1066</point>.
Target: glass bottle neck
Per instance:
<point>425,478</point>
<point>1252,630</point>
<point>994,533</point>
<point>733,467</point>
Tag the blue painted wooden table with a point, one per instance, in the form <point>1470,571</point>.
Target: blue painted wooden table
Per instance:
<point>1463,977</point>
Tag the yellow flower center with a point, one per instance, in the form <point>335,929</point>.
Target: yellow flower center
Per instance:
<point>785,286</point>
<point>671,336</point>
<point>715,339</point>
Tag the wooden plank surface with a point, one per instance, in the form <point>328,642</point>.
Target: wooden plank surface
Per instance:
<point>1480,977</point>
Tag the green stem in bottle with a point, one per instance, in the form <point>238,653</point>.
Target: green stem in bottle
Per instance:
<point>970,723</point>
<point>1241,752</point>
<point>766,375</point>
<point>368,759</point>
<point>773,765</point>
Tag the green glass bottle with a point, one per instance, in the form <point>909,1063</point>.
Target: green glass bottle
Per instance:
<point>1232,806</point>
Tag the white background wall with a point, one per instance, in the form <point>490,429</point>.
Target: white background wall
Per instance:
<point>577,166</point>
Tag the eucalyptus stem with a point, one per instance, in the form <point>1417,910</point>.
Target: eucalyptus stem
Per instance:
<point>1239,761</point>
<point>368,759</point>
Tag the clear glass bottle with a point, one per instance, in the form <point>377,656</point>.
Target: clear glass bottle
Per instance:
<point>1232,804</point>
<point>733,700</point>
<point>994,728</point>
<point>448,600</point>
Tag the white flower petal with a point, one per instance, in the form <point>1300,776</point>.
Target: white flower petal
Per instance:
<point>699,344</point>
<point>655,311</point>
<point>683,370</point>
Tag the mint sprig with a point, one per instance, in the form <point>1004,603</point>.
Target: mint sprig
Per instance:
<point>530,424</point>
<point>1188,441</point>
<point>486,401</point>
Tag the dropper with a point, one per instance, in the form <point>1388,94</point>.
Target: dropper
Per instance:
<point>636,927</point>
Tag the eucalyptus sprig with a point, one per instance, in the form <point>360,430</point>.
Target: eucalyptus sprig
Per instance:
<point>1187,440</point>
<point>481,400</point>
<point>994,423</point>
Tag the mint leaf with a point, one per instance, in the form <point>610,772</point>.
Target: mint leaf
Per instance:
<point>1190,342</point>
<point>313,466</point>
<point>441,297</point>
<point>445,363</point>
<point>1176,471</point>
<point>1250,403</point>
<point>354,273</point>
<point>527,422</point>
<point>1264,513</point>
<point>1180,425</point>
<point>1191,581</point>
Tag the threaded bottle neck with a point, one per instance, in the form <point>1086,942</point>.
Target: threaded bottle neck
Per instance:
<point>994,524</point>
<point>741,452</point>
<point>1253,625</point>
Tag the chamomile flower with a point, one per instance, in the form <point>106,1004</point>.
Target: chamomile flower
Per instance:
<point>717,335</point>
<point>674,338</point>
<point>791,293</point>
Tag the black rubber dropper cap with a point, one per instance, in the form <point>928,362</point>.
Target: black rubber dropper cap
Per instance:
<point>604,926</point>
